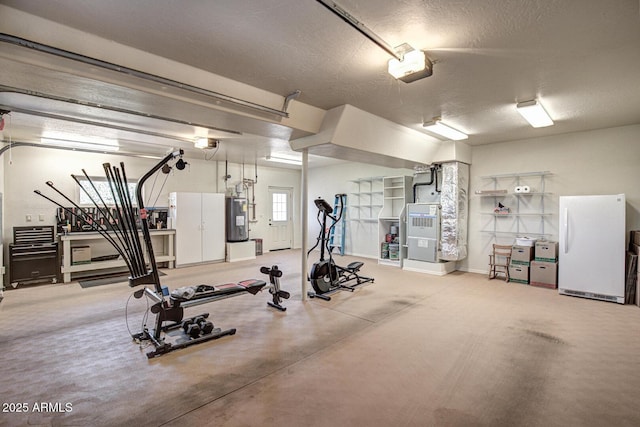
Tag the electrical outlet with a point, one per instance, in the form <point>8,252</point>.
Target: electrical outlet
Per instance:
<point>28,218</point>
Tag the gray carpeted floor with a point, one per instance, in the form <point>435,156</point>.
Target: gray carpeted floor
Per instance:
<point>409,350</point>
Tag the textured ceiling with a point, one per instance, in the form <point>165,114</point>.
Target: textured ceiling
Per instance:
<point>579,57</point>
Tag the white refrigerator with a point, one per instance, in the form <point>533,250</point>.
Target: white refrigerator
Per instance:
<point>591,261</point>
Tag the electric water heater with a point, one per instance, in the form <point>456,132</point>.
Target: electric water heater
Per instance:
<point>237,221</point>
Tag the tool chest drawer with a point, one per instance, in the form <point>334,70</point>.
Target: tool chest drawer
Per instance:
<point>34,256</point>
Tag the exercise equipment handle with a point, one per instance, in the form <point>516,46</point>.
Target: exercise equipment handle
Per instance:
<point>323,206</point>
<point>271,271</point>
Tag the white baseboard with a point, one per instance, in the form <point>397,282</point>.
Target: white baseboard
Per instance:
<point>473,270</point>
<point>435,268</point>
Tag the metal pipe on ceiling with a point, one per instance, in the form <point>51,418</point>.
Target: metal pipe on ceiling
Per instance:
<point>18,41</point>
<point>363,29</point>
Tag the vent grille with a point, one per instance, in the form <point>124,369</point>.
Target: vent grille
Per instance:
<point>590,295</point>
<point>423,222</point>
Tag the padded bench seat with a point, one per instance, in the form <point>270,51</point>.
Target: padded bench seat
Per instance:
<point>355,266</point>
<point>200,294</point>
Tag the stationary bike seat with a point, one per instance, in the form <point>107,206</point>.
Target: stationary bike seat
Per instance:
<point>355,266</point>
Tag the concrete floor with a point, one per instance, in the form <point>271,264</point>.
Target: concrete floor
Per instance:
<point>409,350</point>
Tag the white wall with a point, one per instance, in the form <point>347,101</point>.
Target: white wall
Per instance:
<point>267,177</point>
<point>605,161</point>
<point>325,182</point>
<point>29,168</point>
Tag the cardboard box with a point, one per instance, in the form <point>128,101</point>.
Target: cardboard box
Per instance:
<point>544,274</point>
<point>635,237</point>
<point>546,251</point>
<point>519,274</point>
<point>80,255</point>
<point>521,255</point>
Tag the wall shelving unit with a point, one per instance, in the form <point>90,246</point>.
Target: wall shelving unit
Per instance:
<point>365,201</point>
<point>397,192</point>
<point>527,215</point>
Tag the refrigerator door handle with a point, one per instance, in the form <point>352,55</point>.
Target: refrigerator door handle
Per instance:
<point>565,226</point>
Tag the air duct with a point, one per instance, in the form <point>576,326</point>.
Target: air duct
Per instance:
<point>455,207</point>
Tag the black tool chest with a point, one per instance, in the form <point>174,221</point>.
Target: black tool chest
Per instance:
<point>33,255</point>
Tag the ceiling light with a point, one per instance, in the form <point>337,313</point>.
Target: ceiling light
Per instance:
<point>534,113</point>
<point>284,159</point>
<point>84,145</point>
<point>436,126</point>
<point>206,143</point>
<point>414,65</point>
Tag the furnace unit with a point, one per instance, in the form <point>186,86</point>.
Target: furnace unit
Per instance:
<point>423,232</point>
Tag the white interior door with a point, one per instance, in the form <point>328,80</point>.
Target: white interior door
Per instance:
<point>280,222</point>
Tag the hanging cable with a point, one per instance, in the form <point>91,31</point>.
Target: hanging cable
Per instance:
<point>218,142</point>
<point>160,191</point>
<point>152,187</point>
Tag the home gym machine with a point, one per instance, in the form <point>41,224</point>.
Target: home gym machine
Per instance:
<point>119,226</point>
<point>326,276</point>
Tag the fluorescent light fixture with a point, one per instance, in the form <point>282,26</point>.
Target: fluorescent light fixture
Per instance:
<point>284,159</point>
<point>436,126</point>
<point>534,113</point>
<point>205,143</point>
<point>202,143</point>
<point>414,65</point>
<point>105,145</point>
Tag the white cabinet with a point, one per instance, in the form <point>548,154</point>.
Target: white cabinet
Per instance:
<point>213,227</point>
<point>397,192</point>
<point>199,221</point>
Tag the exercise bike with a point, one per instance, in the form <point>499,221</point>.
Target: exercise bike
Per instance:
<point>326,276</point>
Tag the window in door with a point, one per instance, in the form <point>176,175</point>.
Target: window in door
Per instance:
<point>279,206</point>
